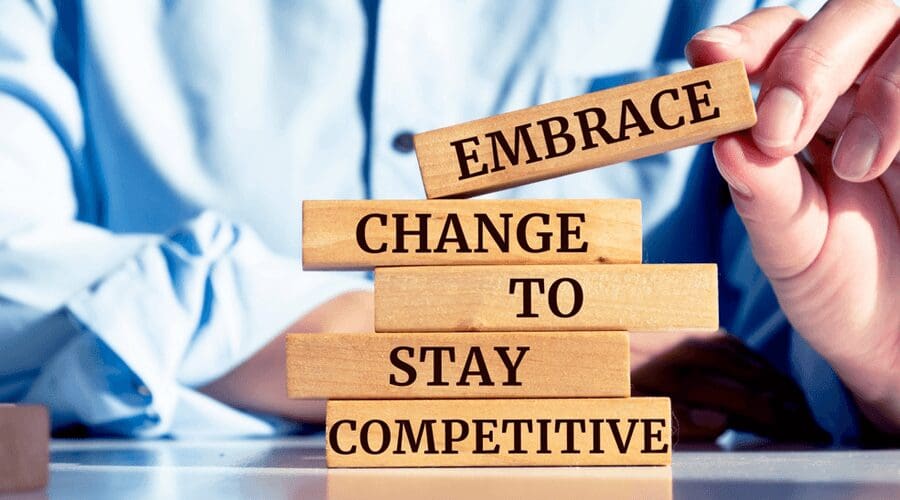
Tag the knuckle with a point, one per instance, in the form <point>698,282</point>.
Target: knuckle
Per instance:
<point>806,56</point>
<point>877,5</point>
<point>810,69</point>
<point>886,85</point>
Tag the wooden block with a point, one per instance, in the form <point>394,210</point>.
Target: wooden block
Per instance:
<point>648,297</point>
<point>457,365</point>
<point>526,483</point>
<point>498,432</point>
<point>24,447</point>
<point>366,234</point>
<point>587,131</point>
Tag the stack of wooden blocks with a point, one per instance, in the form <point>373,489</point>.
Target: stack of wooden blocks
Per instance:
<point>502,325</point>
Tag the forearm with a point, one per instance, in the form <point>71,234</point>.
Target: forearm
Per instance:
<point>258,384</point>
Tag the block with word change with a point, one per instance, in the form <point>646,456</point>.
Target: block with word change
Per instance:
<point>648,297</point>
<point>365,234</point>
<point>457,365</point>
<point>498,432</point>
<point>24,447</point>
<point>592,130</point>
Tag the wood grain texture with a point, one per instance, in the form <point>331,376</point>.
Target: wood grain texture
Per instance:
<point>498,432</point>
<point>24,447</point>
<point>526,483</point>
<point>635,297</point>
<point>471,365</point>
<point>690,107</point>
<point>531,232</point>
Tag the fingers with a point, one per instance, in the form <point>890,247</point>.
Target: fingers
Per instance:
<point>871,140</point>
<point>755,38</point>
<point>697,424</point>
<point>719,383</point>
<point>730,357</point>
<point>645,346</point>
<point>783,208</point>
<point>816,65</point>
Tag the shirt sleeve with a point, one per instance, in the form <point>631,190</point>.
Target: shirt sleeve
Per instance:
<point>112,331</point>
<point>174,314</point>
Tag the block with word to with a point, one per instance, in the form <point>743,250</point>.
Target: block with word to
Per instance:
<point>365,234</point>
<point>24,447</point>
<point>636,297</point>
<point>587,131</point>
<point>457,365</point>
<point>498,432</point>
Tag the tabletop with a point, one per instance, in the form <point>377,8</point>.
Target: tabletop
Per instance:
<point>295,468</point>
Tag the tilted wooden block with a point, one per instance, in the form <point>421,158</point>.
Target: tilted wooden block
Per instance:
<point>498,432</point>
<point>648,297</point>
<point>457,365</point>
<point>24,447</point>
<point>525,483</point>
<point>587,131</point>
<point>366,234</point>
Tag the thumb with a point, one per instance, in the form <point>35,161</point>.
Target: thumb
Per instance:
<point>783,207</point>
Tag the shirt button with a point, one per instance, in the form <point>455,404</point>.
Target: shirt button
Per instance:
<point>403,142</point>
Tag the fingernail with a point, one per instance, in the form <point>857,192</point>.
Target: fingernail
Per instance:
<point>722,35</point>
<point>856,149</point>
<point>780,114</point>
<point>739,187</point>
<point>708,418</point>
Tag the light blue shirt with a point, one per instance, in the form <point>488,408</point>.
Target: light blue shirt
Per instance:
<point>153,156</point>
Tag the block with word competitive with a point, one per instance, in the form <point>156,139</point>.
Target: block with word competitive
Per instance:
<point>364,234</point>
<point>587,131</point>
<point>458,365</point>
<point>648,297</point>
<point>498,432</point>
<point>24,447</point>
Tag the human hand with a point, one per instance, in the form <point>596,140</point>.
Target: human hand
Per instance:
<point>716,383</point>
<point>824,224</point>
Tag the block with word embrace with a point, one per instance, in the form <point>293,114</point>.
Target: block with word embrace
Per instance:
<point>591,130</point>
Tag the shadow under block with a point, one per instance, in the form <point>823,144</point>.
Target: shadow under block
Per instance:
<point>580,133</point>
<point>24,447</point>
<point>365,234</point>
<point>636,297</point>
<point>498,432</point>
<point>457,365</point>
<point>525,483</point>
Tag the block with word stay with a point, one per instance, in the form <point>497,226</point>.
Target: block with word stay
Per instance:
<point>24,447</point>
<point>365,234</point>
<point>648,297</point>
<point>457,365</point>
<point>587,131</point>
<point>498,432</point>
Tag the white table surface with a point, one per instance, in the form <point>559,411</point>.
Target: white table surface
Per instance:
<point>295,468</point>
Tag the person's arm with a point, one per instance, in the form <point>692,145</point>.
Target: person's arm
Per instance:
<point>258,384</point>
<point>825,225</point>
<point>116,332</point>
